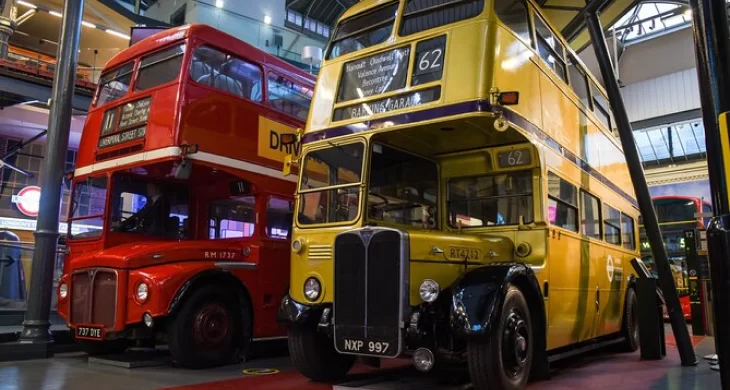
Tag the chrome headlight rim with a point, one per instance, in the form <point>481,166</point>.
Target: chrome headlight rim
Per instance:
<point>63,290</point>
<point>297,245</point>
<point>312,289</point>
<point>429,290</point>
<point>142,292</point>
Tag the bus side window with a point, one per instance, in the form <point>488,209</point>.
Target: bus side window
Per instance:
<point>514,15</point>
<point>600,106</point>
<point>612,224</point>
<point>232,217</point>
<point>227,73</point>
<point>628,232</point>
<point>579,81</point>
<point>562,203</point>
<point>279,217</point>
<point>591,216</point>
<point>550,48</point>
<point>288,97</point>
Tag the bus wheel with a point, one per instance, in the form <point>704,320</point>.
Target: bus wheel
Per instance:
<point>109,347</point>
<point>503,358</point>
<point>314,355</point>
<point>207,330</point>
<point>630,323</point>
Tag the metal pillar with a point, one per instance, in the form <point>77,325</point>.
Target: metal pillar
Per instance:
<point>36,325</point>
<point>651,224</point>
<point>7,26</point>
<point>712,42</point>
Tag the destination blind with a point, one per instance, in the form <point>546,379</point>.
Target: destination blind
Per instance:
<point>374,75</point>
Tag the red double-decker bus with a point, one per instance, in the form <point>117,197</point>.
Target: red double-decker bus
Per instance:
<point>180,217</point>
<point>676,214</point>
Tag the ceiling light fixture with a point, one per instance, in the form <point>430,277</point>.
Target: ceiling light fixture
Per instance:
<point>87,24</point>
<point>25,3</point>
<point>54,13</point>
<point>267,19</point>
<point>219,3</point>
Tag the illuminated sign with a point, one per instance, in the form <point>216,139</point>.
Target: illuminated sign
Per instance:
<point>28,200</point>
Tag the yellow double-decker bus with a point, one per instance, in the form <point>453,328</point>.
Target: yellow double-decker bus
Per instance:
<point>461,197</point>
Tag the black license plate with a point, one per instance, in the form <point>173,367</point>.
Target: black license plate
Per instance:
<point>90,332</point>
<point>368,347</point>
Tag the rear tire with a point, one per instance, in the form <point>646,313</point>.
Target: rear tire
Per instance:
<point>107,347</point>
<point>503,358</point>
<point>314,355</point>
<point>208,329</point>
<point>630,323</point>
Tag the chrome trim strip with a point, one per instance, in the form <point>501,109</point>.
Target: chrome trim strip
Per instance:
<point>236,264</point>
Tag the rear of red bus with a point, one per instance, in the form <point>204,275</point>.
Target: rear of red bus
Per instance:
<point>144,128</point>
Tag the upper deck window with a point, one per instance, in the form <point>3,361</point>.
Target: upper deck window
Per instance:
<point>550,48</point>
<point>600,106</point>
<point>160,68</point>
<point>491,200</point>
<point>115,84</point>
<point>289,97</point>
<point>421,15</point>
<point>403,188</point>
<point>361,31</point>
<point>224,72</point>
<point>514,15</point>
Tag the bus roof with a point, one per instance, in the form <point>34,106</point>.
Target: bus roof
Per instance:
<point>208,34</point>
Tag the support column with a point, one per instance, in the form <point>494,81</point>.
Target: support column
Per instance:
<point>7,26</point>
<point>636,170</point>
<point>712,42</point>
<point>36,325</point>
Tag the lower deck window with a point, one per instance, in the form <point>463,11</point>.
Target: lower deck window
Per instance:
<point>562,203</point>
<point>232,217</point>
<point>491,200</point>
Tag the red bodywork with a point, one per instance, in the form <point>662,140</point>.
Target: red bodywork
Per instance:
<point>218,132</point>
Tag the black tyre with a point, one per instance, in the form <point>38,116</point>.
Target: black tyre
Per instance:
<point>208,330</point>
<point>108,347</point>
<point>503,358</point>
<point>314,355</point>
<point>630,323</point>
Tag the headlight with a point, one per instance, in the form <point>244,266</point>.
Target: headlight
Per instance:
<point>312,289</point>
<point>143,291</point>
<point>297,245</point>
<point>429,290</point>
<point>63,290</point>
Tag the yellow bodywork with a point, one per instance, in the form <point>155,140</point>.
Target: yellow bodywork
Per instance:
<point>587,277</point>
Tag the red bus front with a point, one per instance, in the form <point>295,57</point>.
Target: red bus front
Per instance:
<point>179,222</point>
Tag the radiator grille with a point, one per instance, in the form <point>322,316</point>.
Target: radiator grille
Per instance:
<point>94,297</point>
<point>370,286</point>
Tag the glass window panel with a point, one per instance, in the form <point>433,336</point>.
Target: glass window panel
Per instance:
<point>591,216</point>
<point>491,200</point>
<point>658,143</point>
<point>160,68</point>
<point>612,224</point>
<point>628,233</point>
<point>279,214</point>
<point>514,15</point>
<point>233,217</point>
<point>289,97</point>
<point>226,73</point>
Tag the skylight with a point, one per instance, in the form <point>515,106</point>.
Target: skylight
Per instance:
<point>649,19</point>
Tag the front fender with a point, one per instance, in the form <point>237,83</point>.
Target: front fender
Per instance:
<point>292,312</point>
<point>479,294</point>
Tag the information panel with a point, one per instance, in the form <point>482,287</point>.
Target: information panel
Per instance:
<point>374,75</point>
<point>121,137</point>
<point>380,106</point>
<point>135,113</point>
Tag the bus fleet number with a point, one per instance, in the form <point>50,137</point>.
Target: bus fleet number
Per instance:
<point>372,346</point>
<point>430,60</point>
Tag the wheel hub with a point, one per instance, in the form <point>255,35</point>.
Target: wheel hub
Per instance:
<point>515,344</point>
<point>211,325</point>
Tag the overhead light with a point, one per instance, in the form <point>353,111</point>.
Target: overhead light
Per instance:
<point>87,24</point>
<point>25,3</point>
<point>117,34</point>
<point>54,13</point>
<point>267,19</point>
<point>219,3</point>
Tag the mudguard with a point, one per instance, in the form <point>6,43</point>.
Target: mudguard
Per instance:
<point>292,312</point>
<point>479,294</point>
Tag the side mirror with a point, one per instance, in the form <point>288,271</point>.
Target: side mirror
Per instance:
<point>182,170</point>
<point>289,163</point>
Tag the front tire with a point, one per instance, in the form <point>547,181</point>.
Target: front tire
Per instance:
<point>503,358</point>
<point>314,355</point>
<point>630,323</point>
<point>107,347</point>
<point>207,330</point>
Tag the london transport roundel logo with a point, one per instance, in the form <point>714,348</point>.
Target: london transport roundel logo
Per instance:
<point>609,268</point>
<point>28,200</point>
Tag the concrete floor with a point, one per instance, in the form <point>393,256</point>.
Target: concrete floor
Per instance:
<point>601,370</point>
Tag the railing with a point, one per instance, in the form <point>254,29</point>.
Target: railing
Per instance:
<point>86,77</point>
<point>16,258</point>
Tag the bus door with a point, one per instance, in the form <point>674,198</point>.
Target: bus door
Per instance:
<point>274,252</point>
